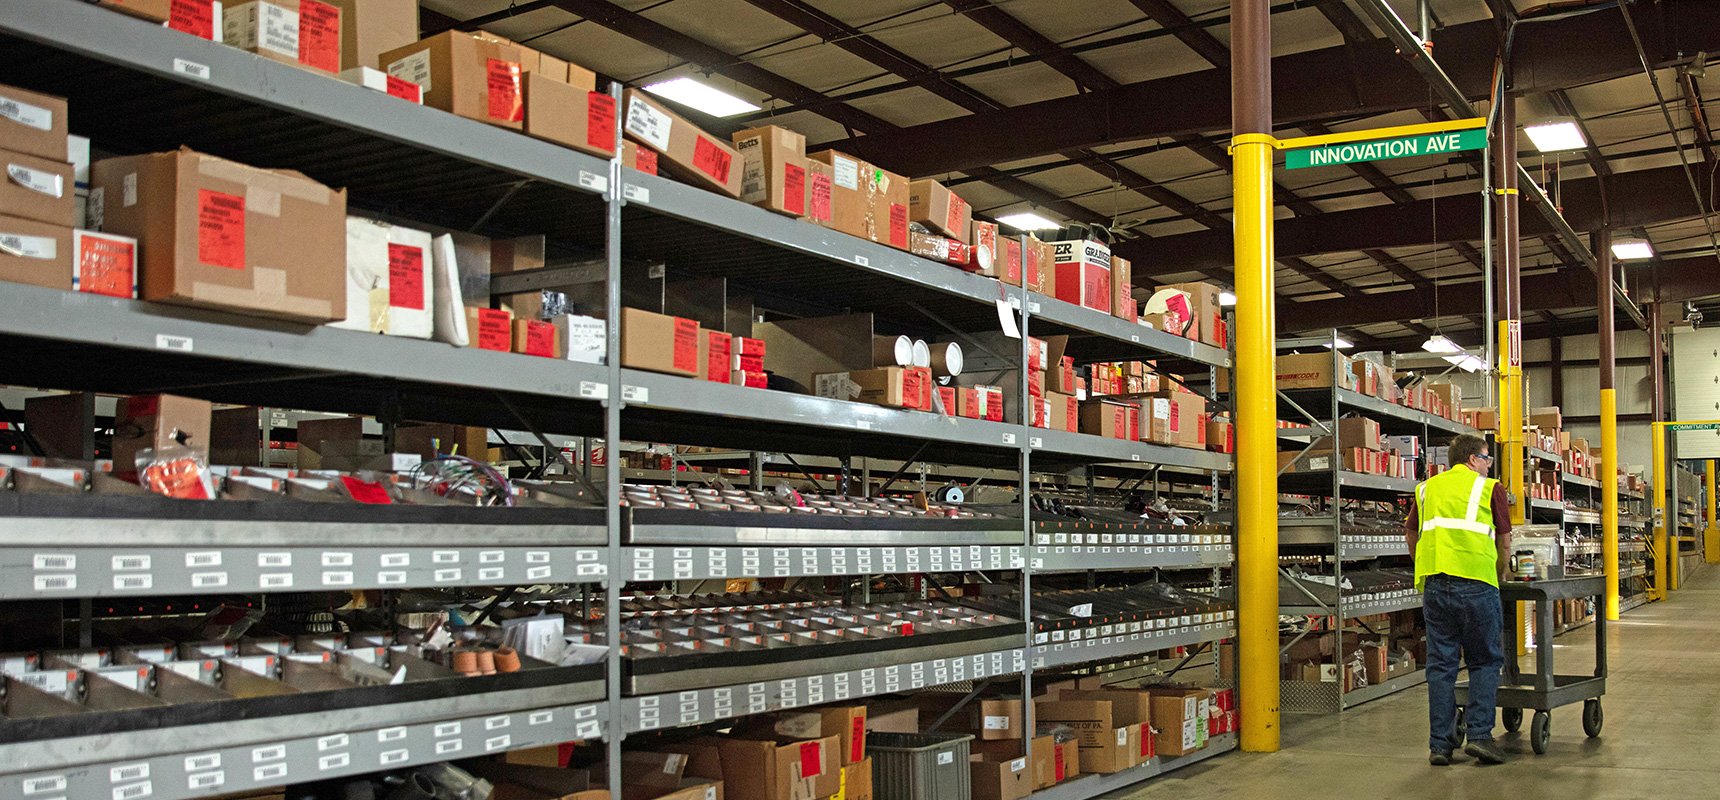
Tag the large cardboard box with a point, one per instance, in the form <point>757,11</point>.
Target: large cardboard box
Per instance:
<point>369,28</point>
<point>1105,418</point>
<point>773,169</point>
<point>196,17</point>
<point>896,387</point>
<point>772,770</point>
<point>1178,719</point>
<point>36,253</point>
<point>1548,419</point>
<point>1123,305</point>
<point>1359,432</point>
<point>1040,266</point>
<point>659,343</point>
<point>155,421</point>
<point>32,123</point>
<point>1206,314</point>
<point>936,207</point>
<point>819,183</point>
<point>846,723</point>
<point>693,154</point>
<point>36,188</point>
<point>856,781</point>
<point>1314,371</point>
<point>570,116</point>
<point>1187,419</point>
<point>1084,273</point>
<point>1311,461</point>
<point>866,200</point>
<point>473,77</point>
<point>988,719</point>
<point>388,280</point>
<point>1006,779</point>
<point>304,33</point>
<point>220,234</point>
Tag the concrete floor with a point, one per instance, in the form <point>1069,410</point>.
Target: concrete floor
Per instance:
<point>1662,727</point>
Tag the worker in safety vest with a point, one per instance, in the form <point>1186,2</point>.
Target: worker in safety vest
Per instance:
<point>1459,532</point>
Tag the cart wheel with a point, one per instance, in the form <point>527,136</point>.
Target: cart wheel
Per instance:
<point>1592,717</point>
<point>1458,731</point>
<point>1538,732</point>
<point>1513,719</point>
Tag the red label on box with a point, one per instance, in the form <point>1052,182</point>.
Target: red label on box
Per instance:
<point>917,388</point>
<point>994,405</point>
<point>1146,741</point>
<point>600,121</point>
<point>366,491</point>
<point>686,345</point>
<point>898,226</point>
<point>1176,417</point>
<point>711,159</point>
<point>794,188</point>
<point>646,161</point>
<point>811,759</point>
<point>718,356</point>
<point>406,276</point>
<point>958,209</point>
<point>1012,261</point>
<point>947,395</point>
<point>220,229</point>
<point>494,330</point>
<point>751,347</point>
<point>857,751</point>
<point>540,338</point>
<point>819,207</point>
<point>319,35</point>
<point>405,89</point>
<point>755,380</point>
<point>141,406</point>
<point>505,95</point>
<point>196,17</point>
<point>752,363</point>
<point>106,266</point>
<point>1057,761</point>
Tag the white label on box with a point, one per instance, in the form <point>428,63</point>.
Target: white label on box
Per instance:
<point>414,68</point>
<point>17,244</point>
<point>1122,736</point>
<point>278,29</point>
<point>1018,765</point>
<point>25,114</point>
<point>128,190</point>
<point>192,68</point>
<point>752,169</point>
<point>36,180</point>
<point>847,171</point>
<point>648,123</point>
<point>997,723</point>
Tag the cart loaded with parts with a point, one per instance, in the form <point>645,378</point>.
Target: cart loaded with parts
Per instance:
<point>1543,690</point>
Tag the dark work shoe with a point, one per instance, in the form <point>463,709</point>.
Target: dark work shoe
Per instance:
<point>1486,752</point>
<point>1439,758</point>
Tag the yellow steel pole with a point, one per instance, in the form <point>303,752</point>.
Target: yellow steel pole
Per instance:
<point>1609,497</point>
<point>1658,485</point>
<point>1509,438</point>
<point>1256,444</point>
<point>1711,535</point>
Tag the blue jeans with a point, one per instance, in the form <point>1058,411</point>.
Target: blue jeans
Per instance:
<point>1463,617</point>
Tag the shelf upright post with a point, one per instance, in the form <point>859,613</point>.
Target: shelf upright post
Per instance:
<point>1025,450</point>
<point>1252,149</point>
<point>1609,420</point>
<point>612,404</point>
<point>1337,515</point>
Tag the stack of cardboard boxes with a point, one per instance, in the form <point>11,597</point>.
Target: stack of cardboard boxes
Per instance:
<point>1373,650</point>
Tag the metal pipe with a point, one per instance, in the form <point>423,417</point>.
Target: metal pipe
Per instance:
<point>1662,477</point>
<point>1602,240</point>
<point>1426,25</point>
<point>1252,148</point>
<point>612,462</point>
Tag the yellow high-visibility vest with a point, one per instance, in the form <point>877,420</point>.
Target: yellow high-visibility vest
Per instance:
<point>1457,534</point>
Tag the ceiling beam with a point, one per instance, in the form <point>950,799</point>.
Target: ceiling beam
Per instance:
<point>1307,86</point>
<point>1642,197</point>
<point>1018,34</point>
<point>1698,117</point>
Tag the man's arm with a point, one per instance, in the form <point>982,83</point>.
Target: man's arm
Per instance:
<point>1412,528</point>
<point>1501,504</point>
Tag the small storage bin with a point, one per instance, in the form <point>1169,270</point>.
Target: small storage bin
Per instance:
<point>919,766</point>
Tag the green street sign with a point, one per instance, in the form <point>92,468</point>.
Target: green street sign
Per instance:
<point>1382,149</point>
<point>1694,426</point>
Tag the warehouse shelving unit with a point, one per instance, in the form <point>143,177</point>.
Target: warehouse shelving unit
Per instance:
<point>135,87</point>
<point>1331,538</point>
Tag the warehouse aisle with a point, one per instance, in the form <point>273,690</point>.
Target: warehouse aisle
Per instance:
<point>1662,720</point>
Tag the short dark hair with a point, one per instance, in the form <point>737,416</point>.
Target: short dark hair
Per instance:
<point>1466,446</point>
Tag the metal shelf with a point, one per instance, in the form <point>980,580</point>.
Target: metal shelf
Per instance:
<point>1393,418</point>
<point>699,706</point>
<point>701,563</point>
<point>1125,557</point>
<point>1353,485</point>
<point>1544,455</point>
<point>242,755</point>
<point>1582,516</point>
<point>1129,639</point>
<point>1579,480</point>
<point>1393,686</point>
<point>1319,532</point>
<point>1361,605</point>
<point>1537,504</point>
<point>1087,787</point>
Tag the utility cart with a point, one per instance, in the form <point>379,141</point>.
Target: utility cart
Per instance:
<point>1544,690</point>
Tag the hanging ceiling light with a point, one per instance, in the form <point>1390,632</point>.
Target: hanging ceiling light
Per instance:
<point>1028,221</point>
<point>701,97</point>
<point>1632,250</point>
<point>1556,135</point>
<point>1340,343</point>
<point>1437,343</point>
<point>1467,362</point>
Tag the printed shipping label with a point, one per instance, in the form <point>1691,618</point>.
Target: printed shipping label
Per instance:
<point>847,172</point>
<point>220,229</point>
<point>493,330</point>
<point>686,345</point>
<point>196,17</point>
<point>405,89</point>
<point>898,226</point>
<point>600,121</point>
<point>319,35</point>
<point>648,124</point>
<point>414,68</point>
<point>25,114</point>
<point>711,159</point>
<point>406,276</point>
<point>506,101</point>
<point>106,266</point>
<point>37,181</point>
<point>540,338</point>
<point>818,207</point>
<point>278,30</point>
<point>794,188</point>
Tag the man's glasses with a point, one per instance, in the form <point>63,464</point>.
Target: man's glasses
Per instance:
<point>1485,457</point>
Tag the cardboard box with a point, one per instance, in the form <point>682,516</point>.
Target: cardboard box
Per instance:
<point>1314,371</point>
<point>1547,418</point>
<point>1063,412</point>
<point>36,253</point>
<point>195,17</point>
<point>1311,461</point>
<point>866,200</point>
<point>987,719</point>
<point>490,329</point>
<point>1360,432</point>
<point>895,387</point>
<point>1123,305</point>
<point>856,783</point>
<point>1106,418</point>
<point>900,715</point>
<point>940,209</point>
<point>155,421</point>
<point>1187,419</point>
<point>1084,273</point>
<point>692,153</point>
<point>1178,718</point>
<point>219,234</point>
<point>1220,435</point>
<point>1067,762</point>
<point>463,74</point>
<point>389,282</point>
<point>535,337</point>
<point>1206,315</point>
<point>716,355</point>
<point>369,28</point>
<point>659,343</point>
<point>1007,779</point>
<point>819,182</point>
<point>1040,266</point>
<point>847,724</point>
<point>569,116</point>
<point>690,789</point>
<point>771,770</point>
<point>303,33</point>
<point>639,158</point>
<point>773,169</point>
<point>32,123</point>
<point>35,188</point>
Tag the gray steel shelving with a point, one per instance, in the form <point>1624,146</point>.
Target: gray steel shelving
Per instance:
<point>1089,786</point>
<point>425,164</point>
<point>1123,640</point>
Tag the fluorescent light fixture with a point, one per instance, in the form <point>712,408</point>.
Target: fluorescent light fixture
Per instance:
<point>1028,221</point>
<point>1632,250</point>
<point>701,97</point>
<point>1552,137</point>
<point>1437,343</point>
<point>1467,362</point>
<point>1340,342</point>
<point>1227,299</point>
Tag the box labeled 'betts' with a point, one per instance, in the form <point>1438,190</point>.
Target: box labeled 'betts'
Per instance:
<point>219,234</point>
<point>773,169</point>
<point>866,200</point>
<point>473,77</point>
<point>299,32</point>
<point>659,342</point>
<point>692,153</point>
<point>936,207</point>
<point>1084,273</point>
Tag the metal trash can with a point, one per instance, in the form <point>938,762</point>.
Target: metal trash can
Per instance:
<point>919,766</point>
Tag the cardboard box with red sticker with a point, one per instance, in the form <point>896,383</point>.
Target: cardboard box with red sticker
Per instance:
<point>691,153</point>
<point>1084,273</point>
<point>867,201</point>
<point>941,210</point>
<point>303,33</point>
<point>659,343</point>
<point>473,77</point>
<point>773,169</point>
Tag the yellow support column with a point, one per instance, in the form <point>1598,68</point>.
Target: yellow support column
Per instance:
<point>1509,453</point>
<point>1711,535</point>
<point>1256,445</point>
<point>1609,497</point>
<point>1658,485</point>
